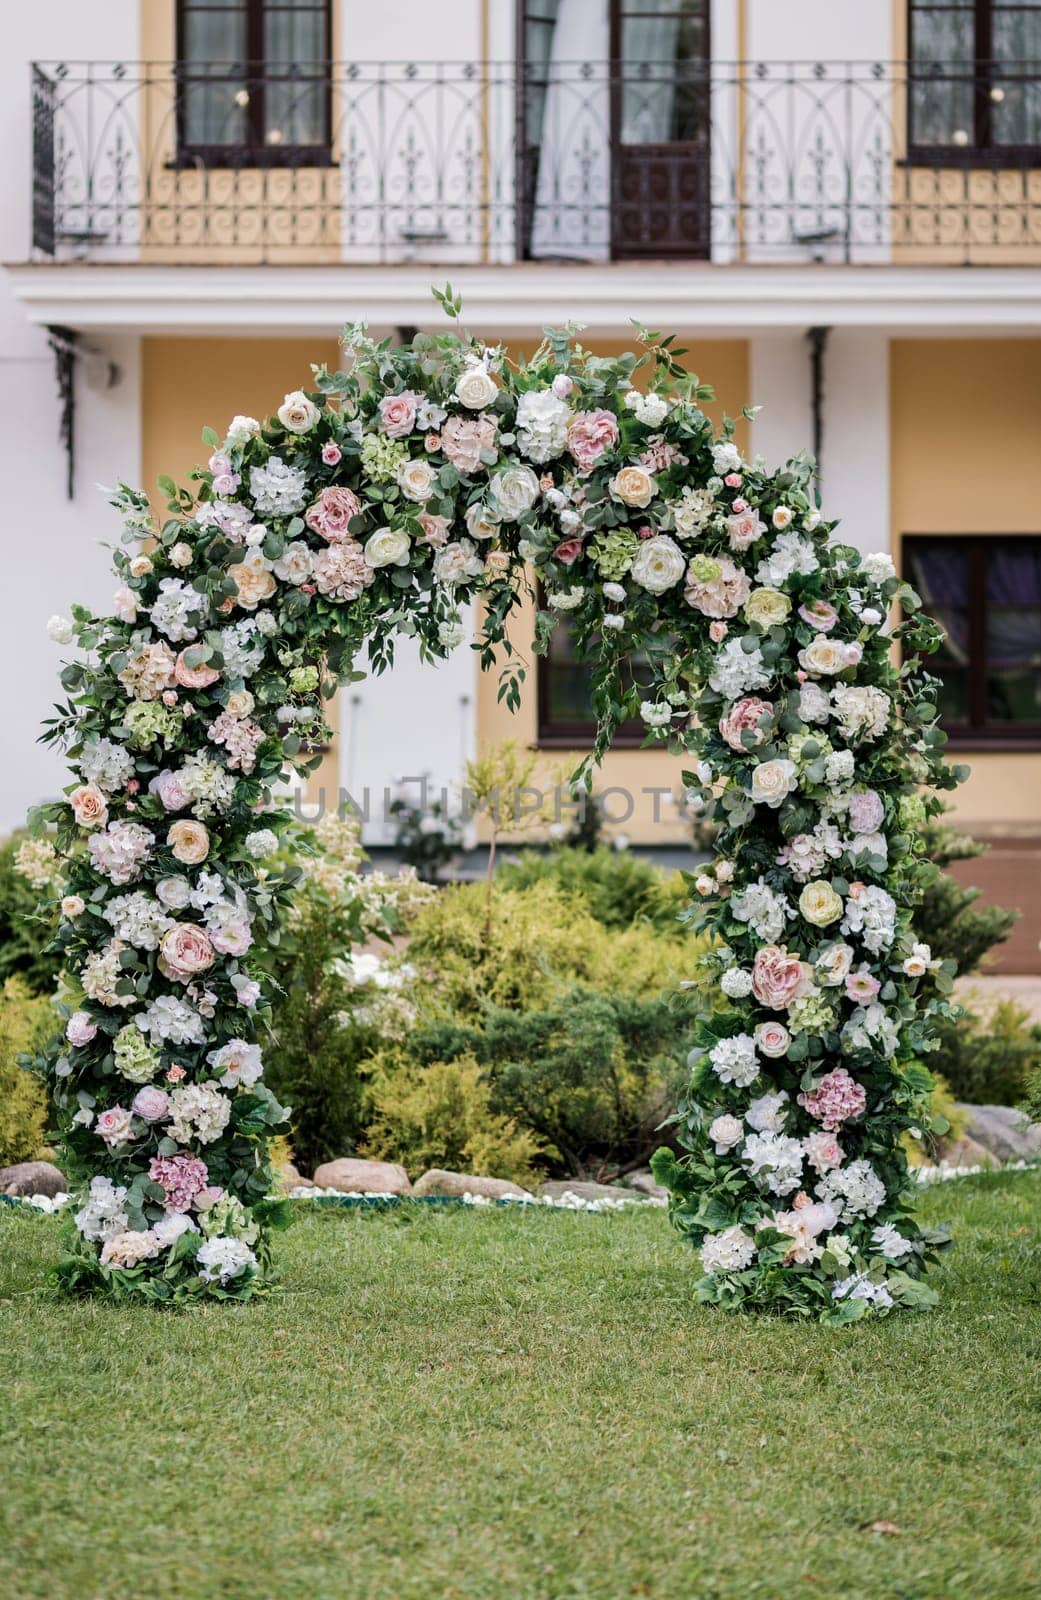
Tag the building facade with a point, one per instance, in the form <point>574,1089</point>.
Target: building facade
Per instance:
<point>837,206</point>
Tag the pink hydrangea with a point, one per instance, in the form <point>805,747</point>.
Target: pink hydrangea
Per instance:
<point>342,571</point>
<point>184,1178</point>
<point>866,812</point>
<point>240,736</point>
<point>590,435</point>
<point>836,1099</point>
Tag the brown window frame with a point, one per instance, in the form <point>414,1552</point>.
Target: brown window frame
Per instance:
<point>254,151</point>
<point>981,72</point>
<point>978,731</point>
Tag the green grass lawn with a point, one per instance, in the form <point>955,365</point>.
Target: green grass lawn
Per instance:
<point>461,1403</point>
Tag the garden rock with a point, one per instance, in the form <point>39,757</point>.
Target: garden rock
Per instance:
<point>965,1152</point>
<point>588,1191</point>
<point>1003,1131</point>
<point>32,1177</point>
<point>644,1183</point>
<point>352,1176</point>
<point>455,1184</point>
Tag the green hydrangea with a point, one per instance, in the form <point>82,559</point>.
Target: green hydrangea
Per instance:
<point>303,680</point>
<point>136,1059</point>
<point>228,1216</point>
<point>149,721</point>
<point>614,551</point>
<point>797,751</point>
<point>911,812</point>
<point>705,569</point>
<point>811,1013</point>
<point>381,457</point>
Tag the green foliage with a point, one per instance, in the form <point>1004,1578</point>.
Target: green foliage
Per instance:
<point>615,886</point>
<point>948,918</point>
<point>426,838</point>
<point>442,1116</point>
<point>942,1109</point>
<point>25,932</point>
<point>26,1022</point>
<point>987,1057</point>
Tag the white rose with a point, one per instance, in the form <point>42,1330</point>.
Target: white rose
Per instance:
<point>297,414</point>
<point>514,490</point>
<point>658,564</point>
<point>294,564</point>
<point>455,562</point>
<point>480,523</point>
<point>60,629</point>
<point>475,387</point>
<point>877,567</point>
<point>181,554</point>
<point>416,480</point>
<point>824,656</point>
<point>387,547</point>
<point>772,782</point>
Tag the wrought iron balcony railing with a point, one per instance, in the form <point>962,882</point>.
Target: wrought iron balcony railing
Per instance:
<point>463,162</point>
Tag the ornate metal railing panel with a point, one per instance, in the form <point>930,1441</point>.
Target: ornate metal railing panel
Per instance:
<point>462,162</point>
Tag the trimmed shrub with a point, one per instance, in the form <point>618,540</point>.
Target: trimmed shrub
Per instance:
<point>614,886</point>
<point>988,1058</point>
<point>26,1023</point>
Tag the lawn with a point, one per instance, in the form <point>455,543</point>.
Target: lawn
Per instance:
<point>464,1404</point>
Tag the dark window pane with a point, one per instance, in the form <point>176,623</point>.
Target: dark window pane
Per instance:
<point>940,573</point>
<point>664,90</point>
<point>945,34</point>
<point>1013,643</point>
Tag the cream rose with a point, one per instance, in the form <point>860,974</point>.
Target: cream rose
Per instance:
<point>184,952</point>
<point>833,963</point>
<point>633,486</point>
<point>772,1039</point>
<point>819,904</point>
<point>475,388</point>
<point>767,607</point>
<point>772,782</point>
<point>189,841</point>
<point>659,563</point>
<point>240,703</point>
<point>824,657</point>
<point>89,806</point>
<point>480,523</point>
<point>297,414</point>
<point>387,547</point>
<point>497,564</point>
<point>416,480</point>
<point>514,491</point>
<point>254,585</point>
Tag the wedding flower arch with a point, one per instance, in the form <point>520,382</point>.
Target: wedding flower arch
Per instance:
<point>378,503</point>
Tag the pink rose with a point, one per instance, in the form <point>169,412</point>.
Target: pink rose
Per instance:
<point>80,1028</point>
<point>199,677</point>
<point>590,435</point>
<point>562,385</point>
<point>435,529</point>
<point>208,1197</point>
<point>866,812</point>
<point>331,453</point>
<point>772,1039</point>
<point>331,514</point>
<point>733,481</point>
<point>398,413</point>
<point>568,551</point>
<point>823,1151</point>
<point>150,1104</point>
<point>89,806</point>
<point>717,631</point>
<point>744,717</point>
<point>778,977</point>
<point>431,442</point>
<point>170,788</point>
<point>114,1125</point>
<point>820,615</point>
<point>124,602</point>
<point>744,527</point>
<point>463,439</point>
<point>184,952</point>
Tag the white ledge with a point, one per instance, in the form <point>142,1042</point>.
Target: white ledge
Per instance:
<point>711,299</point>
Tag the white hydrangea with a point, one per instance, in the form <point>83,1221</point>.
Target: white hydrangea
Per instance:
<point>650,409</point>
<point>121,851</point>
<point>171,1020</point>
<point>860,1287</point>
<point>263,842</point>
<point>839,768</point>
<point>277,488</point>
<point>542,421</point>
<point>862,712</point>
<point>766,912</point>
<point>736,671</point>
<point>178,610</point>
<point>198,1111</point>
<point>693,511</point>
<point>137,919</point>
<point>734,1060</point>
<point>729,1251</point>
<point>855,1191</point>
<point>814,703</point>
<point>99,975</point>
<point>877,567</point>
<point>789,554</point>
<point>242,646</point>
<point>776,1159</point>
<point>726,457</point>
<point>806,855</point>
<point>223,1258</point>
<point>736,982</point>
<point>870,1026</point>
<point>60,630</point>
<point>872,914</point>
<point>890,1242</point>
<point>767,1113</point>
<point>211,786</point>
<point>240,431</point>
<point>107,764</point>
<point>104,1213</point>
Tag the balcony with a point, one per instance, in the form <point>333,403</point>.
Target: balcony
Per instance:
<point>468,164</point>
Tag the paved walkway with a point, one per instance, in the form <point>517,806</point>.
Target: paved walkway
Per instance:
<point>977,990</point>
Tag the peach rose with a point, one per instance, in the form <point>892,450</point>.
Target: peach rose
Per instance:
<point>184,952</point>
<point>253,584</point>
<point>330,515</point>
<point>189,841</point>
<point>89,806</point>
<point>199,677</point>
<point>633,486</point>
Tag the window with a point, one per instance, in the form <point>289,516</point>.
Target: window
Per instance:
<point>986,594</point>
<point>254,82</point>
<point>974,92</point>
<point>565,697</point>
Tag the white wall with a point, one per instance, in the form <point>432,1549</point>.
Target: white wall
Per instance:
<point>50,550</point>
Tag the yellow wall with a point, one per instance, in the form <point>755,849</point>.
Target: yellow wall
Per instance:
<point>189,384</point>
<point>965,420</point>
<point>723,363</point>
